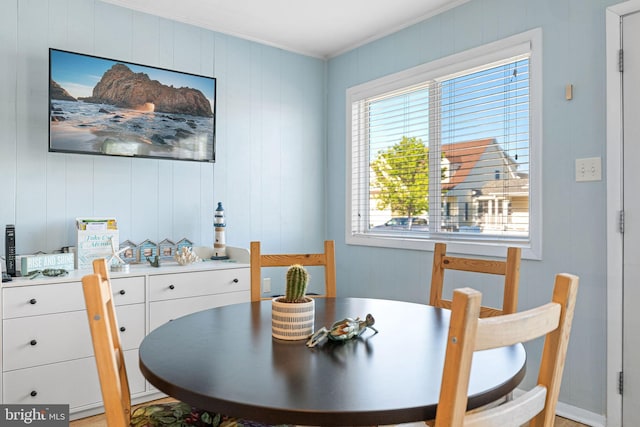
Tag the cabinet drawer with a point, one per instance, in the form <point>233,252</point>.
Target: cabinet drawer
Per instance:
<point>60,297</point>
<point>128,290</point>
<point>39,340</point>
<point>184,285</point>
<point>74,383</point>
<point>42,299</point>
<point>161,312</point>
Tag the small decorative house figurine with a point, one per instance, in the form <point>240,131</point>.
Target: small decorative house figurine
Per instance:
<point>184,242</point>
<point>166,249</point>
<point>147,249</point>
<point>130,254</point>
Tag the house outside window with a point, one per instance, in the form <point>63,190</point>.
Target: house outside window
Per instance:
<point>454,143</point>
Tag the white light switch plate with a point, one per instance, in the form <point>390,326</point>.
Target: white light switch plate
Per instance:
<point>589,169</point>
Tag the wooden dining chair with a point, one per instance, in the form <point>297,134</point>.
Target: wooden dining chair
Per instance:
<point>468,333</point>
<point>112,371</point>
<point>509,268</point>
<point>327,259</point>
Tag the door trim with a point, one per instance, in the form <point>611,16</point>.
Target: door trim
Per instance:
<point>614,206</point>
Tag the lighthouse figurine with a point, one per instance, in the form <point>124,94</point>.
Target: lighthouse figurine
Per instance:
<point>219,245</point>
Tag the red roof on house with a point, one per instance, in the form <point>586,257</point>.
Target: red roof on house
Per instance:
<point>462,157</point>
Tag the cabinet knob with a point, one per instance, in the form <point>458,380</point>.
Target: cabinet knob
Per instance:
<point>33,393</point>
<point>32,301</point>
<point>122,329</point>
<point>33,342</point>
<point>235,280</point>
<point>171,287</point>
<point>122,292</point>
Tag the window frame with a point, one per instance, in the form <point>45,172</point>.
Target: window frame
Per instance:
<point>529,42</point>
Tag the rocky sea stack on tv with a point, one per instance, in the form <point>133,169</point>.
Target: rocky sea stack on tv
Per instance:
<point>123,88</point>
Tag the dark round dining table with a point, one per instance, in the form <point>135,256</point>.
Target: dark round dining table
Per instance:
<point>225,360</point>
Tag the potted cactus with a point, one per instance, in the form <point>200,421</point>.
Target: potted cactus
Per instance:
<point>297,282</point>
<point>292,315</point>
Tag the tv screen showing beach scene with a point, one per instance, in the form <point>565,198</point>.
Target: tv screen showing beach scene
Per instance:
<point>108,107</point>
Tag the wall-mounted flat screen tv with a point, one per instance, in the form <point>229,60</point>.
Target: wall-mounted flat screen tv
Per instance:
<point>117,108</point>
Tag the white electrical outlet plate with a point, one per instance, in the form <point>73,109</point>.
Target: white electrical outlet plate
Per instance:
<point>589,169</point>
<point>266,285</point>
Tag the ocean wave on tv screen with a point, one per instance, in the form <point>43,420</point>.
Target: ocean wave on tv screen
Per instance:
<point>106,129</point>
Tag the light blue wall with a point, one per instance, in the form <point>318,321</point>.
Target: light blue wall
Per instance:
<point>573,213</point>
<point>271,157</point>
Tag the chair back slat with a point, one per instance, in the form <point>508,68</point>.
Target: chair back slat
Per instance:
<point>285,260</point>
<point>510,329</point>
<point>474,265</point>
<point>325,259</point>
<point>512,413</point>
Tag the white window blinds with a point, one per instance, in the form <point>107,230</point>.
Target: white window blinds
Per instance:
<point>448,154</point>
<point>483,134</point>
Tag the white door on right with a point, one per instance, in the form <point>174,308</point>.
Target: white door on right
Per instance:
<point>631,239</point>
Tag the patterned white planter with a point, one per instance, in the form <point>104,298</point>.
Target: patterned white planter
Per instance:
<point>292,321</point>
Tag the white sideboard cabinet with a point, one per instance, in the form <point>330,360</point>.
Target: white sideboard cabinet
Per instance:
<point>47,354</point>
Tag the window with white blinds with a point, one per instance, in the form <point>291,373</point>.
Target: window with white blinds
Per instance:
<point>446,150</point>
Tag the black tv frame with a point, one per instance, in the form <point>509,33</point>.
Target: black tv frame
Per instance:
<point>113,127</point>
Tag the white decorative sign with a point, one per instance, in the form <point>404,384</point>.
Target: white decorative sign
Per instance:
<point>40,262</point>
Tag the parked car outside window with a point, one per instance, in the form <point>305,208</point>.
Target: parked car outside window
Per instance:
<point>404,223</point>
